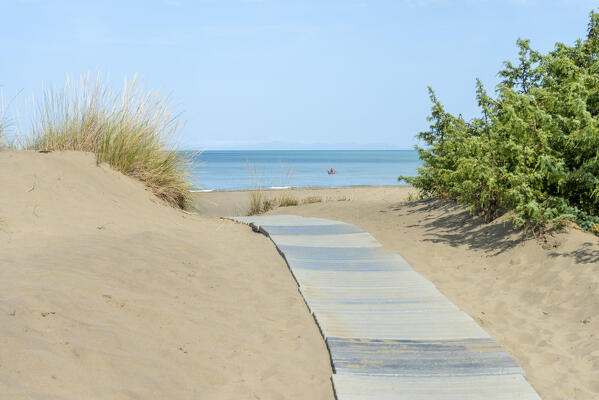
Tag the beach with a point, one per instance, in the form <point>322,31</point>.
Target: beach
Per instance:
<point>297,200</point>
<point>108,292</point>
<point>539,297</point>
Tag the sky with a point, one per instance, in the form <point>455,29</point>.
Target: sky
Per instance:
<point>283,74</point>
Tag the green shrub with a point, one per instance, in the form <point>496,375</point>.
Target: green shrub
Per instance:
<point>130,130</point>
<point>534,149</point>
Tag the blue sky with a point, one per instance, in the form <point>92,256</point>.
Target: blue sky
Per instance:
<point>284,74</point>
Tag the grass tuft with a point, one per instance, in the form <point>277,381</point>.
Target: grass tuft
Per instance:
<point>412,197</point>
<point>415,196</point>
<point>131,130</point>
<point>287,200</point>
<point>3,122</point>
<point>312,199</point>
<point>259,203</point>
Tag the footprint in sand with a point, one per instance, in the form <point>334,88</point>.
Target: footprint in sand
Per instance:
<point>111,300</point>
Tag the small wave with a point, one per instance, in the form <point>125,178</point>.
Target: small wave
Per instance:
<point>279,187</point>
<point>202,191</point>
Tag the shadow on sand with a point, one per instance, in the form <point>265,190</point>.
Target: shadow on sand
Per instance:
<point>584,255</point>
<point>447,222</point>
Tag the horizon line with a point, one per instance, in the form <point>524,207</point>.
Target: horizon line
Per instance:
<point>295,149</point>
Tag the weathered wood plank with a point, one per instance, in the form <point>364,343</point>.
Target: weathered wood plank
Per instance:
<point>336,254</point>
<point>310,229</point>
<point>360,279</point>
<point>332,266</point>
<point>344,240</point>
<point>420,357</point>
<point>398,296</point>
<point>387,323</point>
<point>464,387</point>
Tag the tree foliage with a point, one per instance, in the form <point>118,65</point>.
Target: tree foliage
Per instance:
<point>534,149</point>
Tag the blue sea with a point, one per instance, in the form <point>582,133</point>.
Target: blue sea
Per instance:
<point>242,170</point>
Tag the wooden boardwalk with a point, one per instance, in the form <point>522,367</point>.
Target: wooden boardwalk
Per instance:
<point>390,333</point>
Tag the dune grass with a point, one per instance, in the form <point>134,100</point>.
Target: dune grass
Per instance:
<point>3,122</point>
<point>312,200</point>
<point>2,129</point>
<point>260,200</point>
<point>287,200</point>
<point>132,130</point>
<point>259,203</point>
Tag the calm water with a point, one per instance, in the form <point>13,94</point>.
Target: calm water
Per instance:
<point>228,170</point>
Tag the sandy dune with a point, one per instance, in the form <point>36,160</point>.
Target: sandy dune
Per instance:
<point>106,293</point>
<point>539,299</point>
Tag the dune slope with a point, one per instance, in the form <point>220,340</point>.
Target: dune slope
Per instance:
<point>107,293</point>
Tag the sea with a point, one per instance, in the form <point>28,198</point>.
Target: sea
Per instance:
<point>275,169</point>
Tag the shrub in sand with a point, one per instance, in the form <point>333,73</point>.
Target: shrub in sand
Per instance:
<point>533,151</point>
<point>131,130</point>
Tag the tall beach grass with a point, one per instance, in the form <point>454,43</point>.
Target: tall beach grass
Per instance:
<point>259,200</point>
<point>131,129</point>
<point>2,129</point>
<point>3,121</point>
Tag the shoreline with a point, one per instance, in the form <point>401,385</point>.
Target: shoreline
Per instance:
<point>274,188</point>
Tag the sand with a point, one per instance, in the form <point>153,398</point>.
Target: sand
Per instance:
<point>107,293</point>
<point>237,202</point>
<point>538,298</point>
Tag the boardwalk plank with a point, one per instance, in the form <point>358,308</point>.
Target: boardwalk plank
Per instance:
<point>360,279</point>
<point>344,240</point>
<point>420,357</point>
<point>311,229</point>
<point>336,254</point>
<point>464,387</point>
<point>386,323</point>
